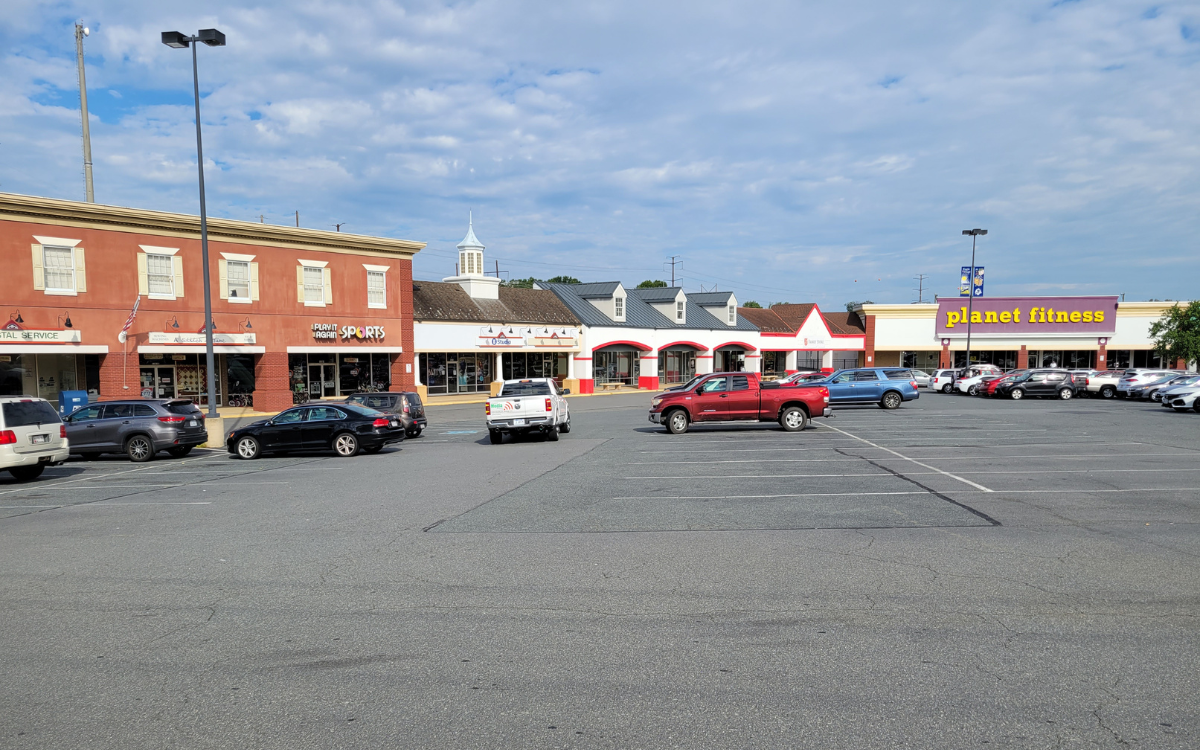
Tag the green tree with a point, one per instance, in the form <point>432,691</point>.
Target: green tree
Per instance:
<point>851,305</point>
<point>648,284</point>
<point>564,280</point>
<point>1177,333</point>
<point>751,303</point>
<point>521,283</point>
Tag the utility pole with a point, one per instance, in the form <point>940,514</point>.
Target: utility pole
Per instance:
<point>674,263</point>
<point>80,32</point>
<point>262,219</point>
<point>337,227</point>
<point>297,218</point>
<point>920,278</point>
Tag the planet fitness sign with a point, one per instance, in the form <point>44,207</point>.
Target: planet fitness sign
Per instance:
<point>1028,315</point>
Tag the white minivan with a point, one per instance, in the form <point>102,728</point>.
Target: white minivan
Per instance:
<point>943,381</point>
<point>32,436</point>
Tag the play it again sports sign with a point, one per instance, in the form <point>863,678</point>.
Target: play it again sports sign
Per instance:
<point>1028,315</point>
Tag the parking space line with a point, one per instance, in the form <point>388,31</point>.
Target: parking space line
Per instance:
<point>913,460</point>
<point>744,461</point>
<point>98,476</point>
<point>767,497</point>
<point>777,476</point>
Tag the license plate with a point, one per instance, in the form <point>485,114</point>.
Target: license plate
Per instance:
<point>39,439</point>
<point>395,424</point>
<point>518,422</point>
<point>191,423</point>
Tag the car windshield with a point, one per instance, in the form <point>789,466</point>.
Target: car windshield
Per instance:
<point>24,413</point>
<point>802,377</point>
<point>526,388</point>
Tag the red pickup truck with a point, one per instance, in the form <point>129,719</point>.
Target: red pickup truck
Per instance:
<point>740,397</point>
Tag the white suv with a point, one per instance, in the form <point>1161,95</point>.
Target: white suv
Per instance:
<point>943,381</point>
<point>32,436</point>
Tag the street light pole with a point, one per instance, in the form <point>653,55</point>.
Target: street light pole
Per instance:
<point>971,288</point>
<point>80,32</point>
<point>212,38</point>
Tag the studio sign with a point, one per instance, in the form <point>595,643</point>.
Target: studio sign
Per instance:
<point>333,330</point>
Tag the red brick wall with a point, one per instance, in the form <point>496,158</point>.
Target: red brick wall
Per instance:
<point>118,370</point>
<point>1023,358</point>
<point>869,342</point>
<point>271,383</point>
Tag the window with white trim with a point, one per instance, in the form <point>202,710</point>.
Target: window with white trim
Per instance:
<point>314,284</point>
<point>376,289</point>
<point>238,275</point>
<point>618,307</point>
<point>679,311</point>
<point>59,268</point>
<point>732,315</point>
<point>160,274</point>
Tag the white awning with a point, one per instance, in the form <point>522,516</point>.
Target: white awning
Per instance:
<point>53,349</point>
<point>345,349</point>
<point>190,349</point>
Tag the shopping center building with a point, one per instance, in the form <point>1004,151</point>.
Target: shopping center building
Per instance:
<point>802,337</point>
<point>297,313</point>
<point>1014,332</point>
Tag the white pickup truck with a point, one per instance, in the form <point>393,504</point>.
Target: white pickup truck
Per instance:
<point>533,404</point>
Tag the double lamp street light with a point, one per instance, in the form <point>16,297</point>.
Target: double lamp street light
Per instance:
<point>176,40</point>
<point>974,234</point>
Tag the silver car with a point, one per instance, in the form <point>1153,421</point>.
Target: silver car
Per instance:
<point>923,379</point>
<point>137,428</point>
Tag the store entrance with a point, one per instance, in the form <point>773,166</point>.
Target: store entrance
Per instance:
<point>322,380</point>
<point>158,382</point>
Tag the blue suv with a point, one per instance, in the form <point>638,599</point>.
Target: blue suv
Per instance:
<point>886,386</point>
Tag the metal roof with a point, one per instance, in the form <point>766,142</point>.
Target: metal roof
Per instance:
<point>638,312</point>
<point>595,290</point>
<point>711,299</point>
<point>657,293</point>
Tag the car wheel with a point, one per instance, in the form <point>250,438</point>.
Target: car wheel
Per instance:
<point>1153,395</point>
<point>973,390</point>
<point>552,433</point>
<point>793,419</point>
<point>25,473</point>
<point>247,447</point>
<point>345,445</point>
<point>1196,406</point>
<point>1017,394</point>
<point>496,436</point>
<point>373,450</point>
<point>414,432</point>
<point>890,400</point>
<point>946,388</point>
<point>180,452</point>
<point>677,422</point>
<point>566,426</point>
<point>139,448</point>
<point>1065,394</point>
<point>1107,391</point>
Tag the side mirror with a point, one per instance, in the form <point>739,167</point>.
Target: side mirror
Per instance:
<point>566,391</point>
<point>270,422</point>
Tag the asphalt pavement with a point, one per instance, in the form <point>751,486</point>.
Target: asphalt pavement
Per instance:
<point>957,573</point>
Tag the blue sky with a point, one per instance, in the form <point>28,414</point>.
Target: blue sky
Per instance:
<point>803,152</point>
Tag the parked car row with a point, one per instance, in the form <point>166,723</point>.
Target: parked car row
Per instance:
<point>34,436</point>
<point>1132,384</point>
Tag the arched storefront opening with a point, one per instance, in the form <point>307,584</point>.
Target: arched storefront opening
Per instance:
<point>677,362</point>
<point>618,364</point>
<point>731,357</point>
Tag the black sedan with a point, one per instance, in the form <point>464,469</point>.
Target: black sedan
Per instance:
<point>345,429</point>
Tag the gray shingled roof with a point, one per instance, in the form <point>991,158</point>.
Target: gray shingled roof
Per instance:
<point>435,300</point>
<point>638,313</point>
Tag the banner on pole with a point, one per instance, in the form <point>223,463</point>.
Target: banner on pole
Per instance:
<point>970,284</point>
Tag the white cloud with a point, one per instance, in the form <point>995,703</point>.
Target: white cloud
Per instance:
<point>796,147</point>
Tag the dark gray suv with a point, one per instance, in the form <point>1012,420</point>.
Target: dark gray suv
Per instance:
<point>137,428</point>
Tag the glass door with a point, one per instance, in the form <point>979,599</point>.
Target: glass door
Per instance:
<point>158,382</point>
<point>322,381</point>
<point>452,376</point>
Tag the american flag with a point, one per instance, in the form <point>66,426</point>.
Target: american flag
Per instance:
<point>132,314</point>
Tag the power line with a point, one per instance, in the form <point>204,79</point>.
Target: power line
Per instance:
<point>920,278</point>
<point>674,263</point>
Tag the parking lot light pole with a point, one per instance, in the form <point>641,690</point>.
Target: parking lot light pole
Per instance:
<point>971,288</point>
<point>176,40</point>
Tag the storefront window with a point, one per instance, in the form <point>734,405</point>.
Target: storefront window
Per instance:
<point>15,370</point>
<point>676,365</point>
<point>810,361</point>
<point>239,377</point>
<point>298,377</point>
<point>844,360</point>
<point>774,364</point>
<point>517,365</point>
<point>1005,360</point>
<point>616,366</point>
<point>924,361</point>
<point>730,360</point>
<point>1082,359</point>
<point>456,372</point>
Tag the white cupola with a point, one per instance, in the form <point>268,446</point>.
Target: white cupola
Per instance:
<point>470,252</point>
<point>470,267</point>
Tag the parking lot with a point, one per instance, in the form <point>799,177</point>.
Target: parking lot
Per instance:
<point>958,572</point>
